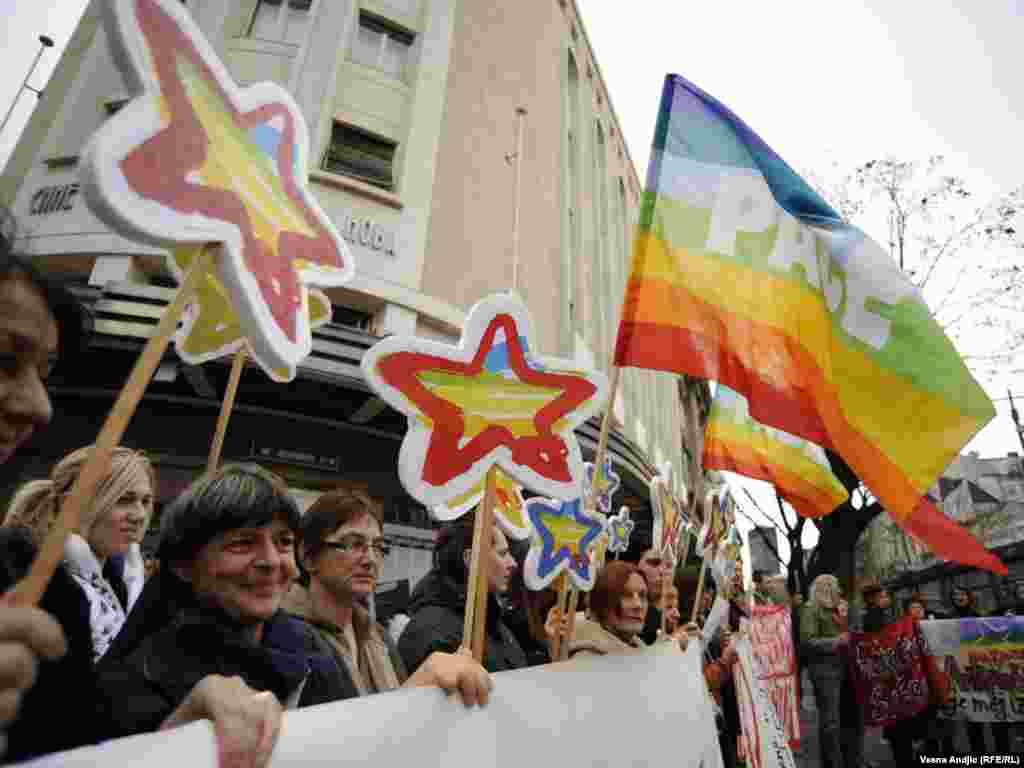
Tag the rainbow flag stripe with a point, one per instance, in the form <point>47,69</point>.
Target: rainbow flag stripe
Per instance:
<point>744,274</point>
<point>799,470</point>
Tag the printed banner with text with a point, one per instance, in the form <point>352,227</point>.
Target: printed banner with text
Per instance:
<point>771,633</point>
<point>984,658</point>
<point>763,742</point>
<point>888,672</point>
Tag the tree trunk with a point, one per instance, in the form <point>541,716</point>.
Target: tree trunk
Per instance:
<point>839,533</point>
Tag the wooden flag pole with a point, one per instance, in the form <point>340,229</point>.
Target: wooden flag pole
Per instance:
<point>225,409</point>
<point>520,115</point>
<point>30,590</point>
<point>568,596</point>
<point>476,582</point>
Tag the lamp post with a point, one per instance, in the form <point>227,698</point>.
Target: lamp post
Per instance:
<point>45,42</point>
<point>1016,420</point>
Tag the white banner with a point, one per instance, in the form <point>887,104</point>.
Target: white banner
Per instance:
<point>764,740</point>
<point>651,709</point>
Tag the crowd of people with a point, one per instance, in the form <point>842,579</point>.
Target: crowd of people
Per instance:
<point>252,608</point>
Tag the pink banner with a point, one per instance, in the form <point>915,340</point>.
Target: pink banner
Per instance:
<point>771,633</point>
<point>888,672</point>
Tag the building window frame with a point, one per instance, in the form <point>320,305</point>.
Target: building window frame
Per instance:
<point>283,7</point>
<point>357,157</point>
<point>393,39</point>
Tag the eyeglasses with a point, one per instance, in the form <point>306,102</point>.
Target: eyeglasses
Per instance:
<point>360,544</point>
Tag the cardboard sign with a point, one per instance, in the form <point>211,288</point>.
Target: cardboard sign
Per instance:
<point>636,710</point>
<point>669,519</point>
<point>509,506</point>
<point>888,672</point>
<point>984,659</point>
<point>486,402</point>
<point>563,535</point>
<point>763,739</point>
<point>771,635</point>
<point>193,159</point>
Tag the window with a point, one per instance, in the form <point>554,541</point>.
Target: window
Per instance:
<point>283,21</point>
<point>382,45</point>
<point>351,318</point>
<point>358,154</point>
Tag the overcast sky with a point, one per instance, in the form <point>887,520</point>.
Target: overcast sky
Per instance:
<point>824,81</point>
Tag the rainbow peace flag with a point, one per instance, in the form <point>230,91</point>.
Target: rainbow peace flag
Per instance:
<point>799,470</point>
<point>744,274</point>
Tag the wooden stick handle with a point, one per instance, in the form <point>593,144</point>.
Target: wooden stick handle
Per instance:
<point>483,571</point>
<point>574,596</point>
<point>225,409</point>
<point>606,424</point>
<point>664,609</point>
<point>477,576</point>
<point>30,590</point>
<point>698,598</point>
<point>560,603</point>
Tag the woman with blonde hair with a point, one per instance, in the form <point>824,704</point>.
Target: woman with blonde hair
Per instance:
<point>824,639</point>
<point>103,555</point>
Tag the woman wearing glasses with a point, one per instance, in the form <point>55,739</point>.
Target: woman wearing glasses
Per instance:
<point>341,549</point>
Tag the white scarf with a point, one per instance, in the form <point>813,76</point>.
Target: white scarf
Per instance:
<point>106,615</point>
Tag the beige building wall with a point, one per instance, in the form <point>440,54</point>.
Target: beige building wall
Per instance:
<point>447,221</point>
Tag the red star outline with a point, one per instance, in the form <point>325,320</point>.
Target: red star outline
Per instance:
<point>157,170</point>
<point>444,459</point>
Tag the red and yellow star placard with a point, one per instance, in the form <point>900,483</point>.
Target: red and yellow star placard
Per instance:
<point>669,519</point>
<point>195,159</point>
<point>485,402</point>
<point>509,506</point>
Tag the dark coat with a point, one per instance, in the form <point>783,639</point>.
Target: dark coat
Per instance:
<point>652,624</point>
<point>436,609</point>
<point>57,713</point>
<point>140,690</point>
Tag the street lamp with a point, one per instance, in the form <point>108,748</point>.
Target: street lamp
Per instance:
<point>45,42</point>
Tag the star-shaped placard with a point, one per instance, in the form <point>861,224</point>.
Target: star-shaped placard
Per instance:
<point>608,483</point>
<point>485,402</point>
<point>210,328</point>
<point>509,508</point>
<point>669,519</point>
<point>563,535</point>
<point>195,159</point>
<point>620,528</point>
<point>715,525</point>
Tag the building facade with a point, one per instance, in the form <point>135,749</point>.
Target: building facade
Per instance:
<point>986,495</point>
<point>411,107</point>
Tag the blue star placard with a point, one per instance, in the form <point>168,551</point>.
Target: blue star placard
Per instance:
<point>608,485</point>
<point>563,534</point>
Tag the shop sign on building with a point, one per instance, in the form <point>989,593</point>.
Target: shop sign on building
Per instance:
<point>365,231</point>
<point>296,458</point>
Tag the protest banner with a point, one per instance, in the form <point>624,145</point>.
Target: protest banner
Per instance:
<point>771,634</point>
<point>557,714</point>
<point>763,740</point>
<point>888,672</point>
<point>984,659</point>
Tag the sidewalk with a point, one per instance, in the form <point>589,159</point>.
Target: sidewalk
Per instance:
<point>876,749</point>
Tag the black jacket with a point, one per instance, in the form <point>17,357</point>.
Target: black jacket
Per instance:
<point>652,624</point>
<point>138,691</point>
<point>437,608</point>
<point>876,619</point>
<point>57,713</point>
